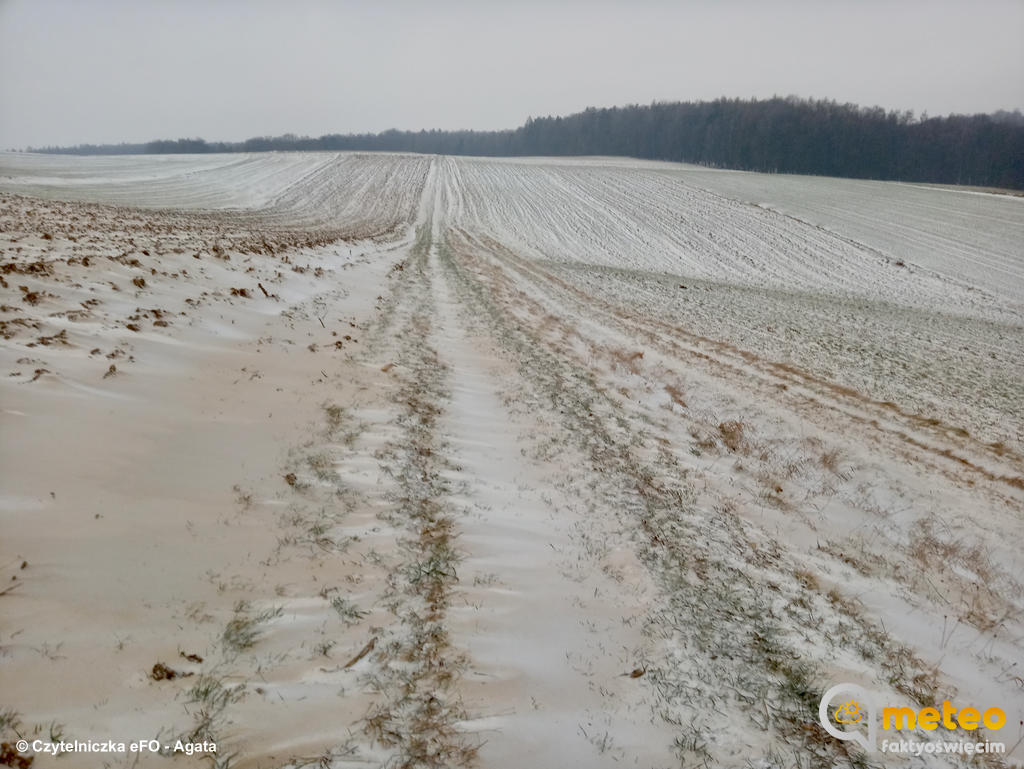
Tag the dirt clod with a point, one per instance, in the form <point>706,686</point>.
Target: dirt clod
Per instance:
<point>162,672</point>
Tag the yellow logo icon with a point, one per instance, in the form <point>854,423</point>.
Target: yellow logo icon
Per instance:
<point>848,713</point>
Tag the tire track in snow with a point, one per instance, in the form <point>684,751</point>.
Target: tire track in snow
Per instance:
<point>952,447</point>
<point>547,633</point>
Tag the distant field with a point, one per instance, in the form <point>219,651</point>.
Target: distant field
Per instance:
<point>400,460</point>
<point>965,234</point>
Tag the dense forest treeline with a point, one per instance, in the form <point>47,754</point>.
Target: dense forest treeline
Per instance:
<point>776,135</point>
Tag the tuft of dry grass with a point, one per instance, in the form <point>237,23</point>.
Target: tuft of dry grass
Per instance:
<point>732,433</point>
<point>830,460</point>
<point>243,630</point>
<point>807,579</point>
<point>629,360</point>
<point>676,395</point>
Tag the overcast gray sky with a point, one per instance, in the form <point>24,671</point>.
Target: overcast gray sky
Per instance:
<point>134,70</point>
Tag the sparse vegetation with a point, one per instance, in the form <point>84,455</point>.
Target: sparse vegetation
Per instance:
<point>244,629</point>
<point>348,611</point>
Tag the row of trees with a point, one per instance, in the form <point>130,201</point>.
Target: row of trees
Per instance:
<point>777,135</point>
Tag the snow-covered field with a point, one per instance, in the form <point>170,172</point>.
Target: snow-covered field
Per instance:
<point>390,460</point>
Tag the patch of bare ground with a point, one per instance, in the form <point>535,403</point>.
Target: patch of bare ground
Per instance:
<point>71,269</point>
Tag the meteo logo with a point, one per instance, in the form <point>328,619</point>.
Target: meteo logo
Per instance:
<point>855,717</point>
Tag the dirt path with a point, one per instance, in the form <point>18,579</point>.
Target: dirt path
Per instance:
<point>549,650</point>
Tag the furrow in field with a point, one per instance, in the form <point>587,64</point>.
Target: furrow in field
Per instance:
<point>655,222</point>
<point>947,441</point>
<point>973,238</point>
<point>173,181</point>
<point>853,313</point>
<point>323,196</point>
